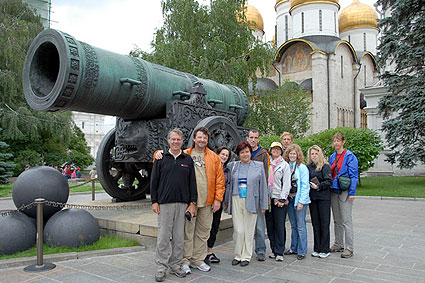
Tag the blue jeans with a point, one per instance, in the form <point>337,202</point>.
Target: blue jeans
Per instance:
<point>298,227</point>
<point>260,234</point>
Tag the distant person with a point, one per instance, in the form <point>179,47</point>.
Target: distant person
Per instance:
<point>246,197</point>
<point>93,174</point>
<point>78,173</point>
<point>224,153</point>
<point>27,167</point>
<point>343,163</point>
<point>279,185</point>
<point>74,174</point>
<point>298,200</point>
<point>320,196</point>
<point>173,193</point>
<point>68,172</point>
<point>286,139</point>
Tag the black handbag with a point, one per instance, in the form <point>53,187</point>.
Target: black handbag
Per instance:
<point>294,184</point>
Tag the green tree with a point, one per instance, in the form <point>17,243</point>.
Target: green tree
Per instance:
<point>365,144</point>
<point>6,167</point>
<point>79,153</point>
<point>286,109</point>
<point>211,42</point>
<point>402,51</point>
<point>34,137</point>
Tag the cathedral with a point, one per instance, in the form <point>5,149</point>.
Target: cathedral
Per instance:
<point>330,53</point>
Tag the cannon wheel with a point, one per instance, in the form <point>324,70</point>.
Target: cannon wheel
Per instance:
<point>223,132</point>
<point>119,178</point>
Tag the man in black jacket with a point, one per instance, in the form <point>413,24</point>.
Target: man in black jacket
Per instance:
<point>173,193</point>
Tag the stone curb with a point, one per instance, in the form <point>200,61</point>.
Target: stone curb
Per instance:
<point>391,198</point>
<point>25,261</point>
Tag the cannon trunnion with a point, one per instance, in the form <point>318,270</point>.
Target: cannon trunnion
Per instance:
<point>61,73</point>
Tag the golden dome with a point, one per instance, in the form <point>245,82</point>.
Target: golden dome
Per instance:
<point>280,1</point>
<point>254,18</point>
<point>296,3</point>
<point>357,15</point>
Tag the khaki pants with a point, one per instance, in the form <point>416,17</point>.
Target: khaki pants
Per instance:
<point>196,234</point>
<point>243,229</point>
<point>342,209</point>
<point>170,225</point>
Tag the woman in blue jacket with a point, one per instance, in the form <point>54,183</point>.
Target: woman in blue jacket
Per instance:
<point>298,201</point>
<point>343,163</point>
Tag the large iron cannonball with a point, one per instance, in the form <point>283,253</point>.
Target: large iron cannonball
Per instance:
<point>17,233</point>
<point>71,228</point>
<point>40,182</point>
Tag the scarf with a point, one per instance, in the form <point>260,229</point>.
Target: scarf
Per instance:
<point>271,172</point>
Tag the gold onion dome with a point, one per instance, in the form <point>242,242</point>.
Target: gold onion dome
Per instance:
<point>296,3</point>
<point>254,18</point>
<point>280,1</point>
<point>357,15</point>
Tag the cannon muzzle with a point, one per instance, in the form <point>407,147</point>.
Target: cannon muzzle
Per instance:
<point>62,73</point>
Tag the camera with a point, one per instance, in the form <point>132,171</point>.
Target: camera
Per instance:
<point>188,216</point>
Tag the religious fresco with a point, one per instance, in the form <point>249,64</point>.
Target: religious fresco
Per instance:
<point>296,58</point>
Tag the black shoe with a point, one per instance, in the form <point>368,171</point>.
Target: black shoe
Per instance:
<point>207,259</point>
<point>235,262</point>
<point>260,257</point>
<point>300,257</point>
<point>244,263</point>
<point>289,252</point>
<point>212,258</point>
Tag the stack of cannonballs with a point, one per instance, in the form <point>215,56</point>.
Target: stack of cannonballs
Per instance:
<point>63,227</point>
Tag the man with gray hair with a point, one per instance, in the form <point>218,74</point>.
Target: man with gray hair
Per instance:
<point>173,193</point>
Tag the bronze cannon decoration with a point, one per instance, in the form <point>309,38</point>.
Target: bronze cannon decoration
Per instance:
<point>62,73</point>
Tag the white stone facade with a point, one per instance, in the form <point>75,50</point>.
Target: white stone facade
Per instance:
<point>362,39</point>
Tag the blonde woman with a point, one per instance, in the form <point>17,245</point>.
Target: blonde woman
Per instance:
<point>320,196</point>
<point>298,200</point>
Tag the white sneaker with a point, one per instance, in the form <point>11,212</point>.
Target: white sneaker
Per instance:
<point>324,255</point>
<point>186,269</point>
<point>315,254</point>
<point>202,267</point>
<point>279,258</point>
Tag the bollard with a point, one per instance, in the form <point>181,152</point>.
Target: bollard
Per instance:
<point>39,266</point>
<point>93,187</point>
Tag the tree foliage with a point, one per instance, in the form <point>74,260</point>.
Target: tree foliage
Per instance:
<point>402,52</point>
<point>6,167</point>
<point>286,109</point>
<point>33,136</point>
<point>365,144</point>
<point>210,41</point>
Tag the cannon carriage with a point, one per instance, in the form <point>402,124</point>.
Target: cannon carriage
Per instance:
<point>62,73</point>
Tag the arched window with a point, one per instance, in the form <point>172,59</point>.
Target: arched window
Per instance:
<point>286,27</point>
<point>302,22</point>
<point>320,20</point>
<point>364,41</point>
<point>342,67</point>
<point>349,39</point>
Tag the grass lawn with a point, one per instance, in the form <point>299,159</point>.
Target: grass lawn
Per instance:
<point>105,242</point>
<point>392,187</point>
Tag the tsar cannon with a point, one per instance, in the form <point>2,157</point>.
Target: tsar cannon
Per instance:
<point>62,73</point>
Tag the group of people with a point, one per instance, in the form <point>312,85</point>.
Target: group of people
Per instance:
<point>71,173</point>
<point>260,188</point>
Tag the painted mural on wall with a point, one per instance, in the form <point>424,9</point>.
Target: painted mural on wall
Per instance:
<point>296,59</point>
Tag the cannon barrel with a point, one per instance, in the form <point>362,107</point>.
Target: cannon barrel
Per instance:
<point>62,73</point>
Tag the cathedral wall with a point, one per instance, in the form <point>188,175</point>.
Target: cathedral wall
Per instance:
<point>307,21</point>
<point>342,88</point>
<point>362,39</point>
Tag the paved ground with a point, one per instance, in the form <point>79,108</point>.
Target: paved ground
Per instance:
<point>389,247</point>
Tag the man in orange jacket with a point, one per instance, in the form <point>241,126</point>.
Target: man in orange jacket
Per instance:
<point>210,187</point>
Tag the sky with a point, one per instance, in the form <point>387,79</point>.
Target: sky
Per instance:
<point>120,26</point>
